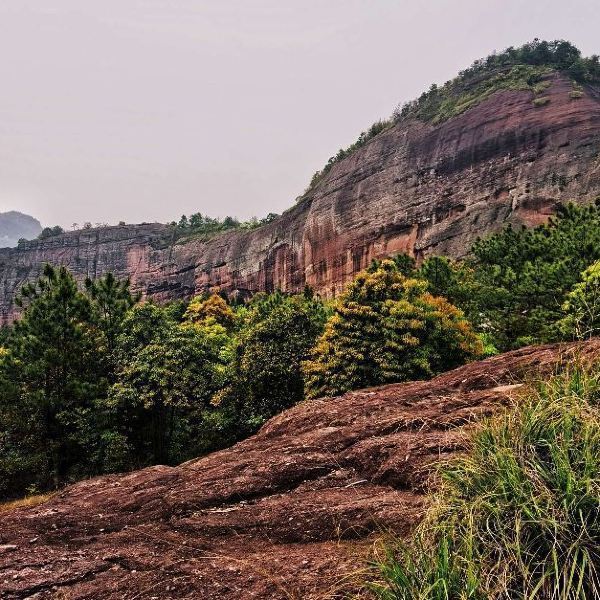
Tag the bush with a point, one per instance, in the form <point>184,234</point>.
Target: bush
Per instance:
<point>542,101</point>
<point>582,306</point>
<point>50,232</point>
<point>386,327</point>
<point>519,517</point>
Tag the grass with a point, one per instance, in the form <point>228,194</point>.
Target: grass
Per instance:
<point>28,501</point>
<point>518,517</point>
<point>457,96</point>
<point>541,101</point>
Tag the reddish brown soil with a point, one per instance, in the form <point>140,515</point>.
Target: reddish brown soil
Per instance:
<point>290,513</point>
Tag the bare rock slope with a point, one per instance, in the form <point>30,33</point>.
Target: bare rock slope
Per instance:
<point>289,513</point>
<point>416,187</point>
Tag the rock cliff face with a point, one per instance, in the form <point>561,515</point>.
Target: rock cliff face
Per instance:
<point>291,512</point>
<point>415,187</point>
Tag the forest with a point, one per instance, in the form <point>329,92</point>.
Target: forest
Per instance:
<point>94,381</point>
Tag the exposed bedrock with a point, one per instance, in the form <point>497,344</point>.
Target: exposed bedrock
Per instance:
<point>291,512</point>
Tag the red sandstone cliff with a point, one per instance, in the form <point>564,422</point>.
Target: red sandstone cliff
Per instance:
<point>415,187</point>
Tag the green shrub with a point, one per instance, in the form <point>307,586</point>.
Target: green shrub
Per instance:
<point>387,327</point>
<point>582,306</point>
<point>519,516</point>
<point>541,101</point>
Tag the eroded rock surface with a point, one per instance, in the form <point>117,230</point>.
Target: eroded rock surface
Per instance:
<point>291,512</point>
<point>414,188</point>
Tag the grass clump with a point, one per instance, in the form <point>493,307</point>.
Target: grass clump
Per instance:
<point>542,101</point>
<point>519,516</point>
<point>28,502</point>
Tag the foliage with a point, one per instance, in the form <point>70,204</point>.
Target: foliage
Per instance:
<point>519,516</point>
<point>211,310</point>
<point>50,378</point>
<point>203,225</point>
<point>523,277</point>
<point>520,68</point>
<point>49,232</point>
<point>385,328</point>
<point>162,389</point>
<point>111,299</point>
<point>582,306</point>
<point>276,336</point>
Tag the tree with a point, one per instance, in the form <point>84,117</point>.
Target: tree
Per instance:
<point>275,338</point>
<point>582,306</point>
<point>196,220</point>
<point>213,309</point>
<point>50,232</point>
<point>163,389</point>
<point>51,377</point>
<point>386,328</point>
<point>523,276</point>
<point>111,299</point>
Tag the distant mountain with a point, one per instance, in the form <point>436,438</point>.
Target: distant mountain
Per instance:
<point>15,225</point>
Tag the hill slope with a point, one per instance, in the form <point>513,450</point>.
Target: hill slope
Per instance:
<point>420,186</point>
<point>287,513</point>
<point>15,225</point>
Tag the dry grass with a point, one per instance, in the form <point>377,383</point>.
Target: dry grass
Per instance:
<point>28,501</point>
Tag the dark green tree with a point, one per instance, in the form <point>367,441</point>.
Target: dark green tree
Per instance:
<point>111,299</point>
<point>51,379</point>
<point>168,375</point>
<point>276,336</point>
<point>523,276</point>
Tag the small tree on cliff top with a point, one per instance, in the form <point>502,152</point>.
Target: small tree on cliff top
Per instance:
<point>386,328</point>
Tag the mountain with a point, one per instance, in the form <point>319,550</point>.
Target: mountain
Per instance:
<point>15,226</point>
<point>503,143</point>
<point>291,512</point>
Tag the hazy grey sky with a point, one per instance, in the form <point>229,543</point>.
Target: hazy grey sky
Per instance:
<point>142,110</point>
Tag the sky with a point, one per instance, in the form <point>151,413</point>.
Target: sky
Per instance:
<point>144,110</point>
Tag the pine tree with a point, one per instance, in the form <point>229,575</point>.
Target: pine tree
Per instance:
<point>54,358</point>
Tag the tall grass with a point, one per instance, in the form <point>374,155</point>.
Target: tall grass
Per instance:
<point>519,516</point>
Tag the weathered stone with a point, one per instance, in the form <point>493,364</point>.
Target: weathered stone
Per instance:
<point>414,188</point>
<point>291,512</point>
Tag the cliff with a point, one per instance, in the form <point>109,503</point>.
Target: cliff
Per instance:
<point>416,187</point>
<point>291,512</point>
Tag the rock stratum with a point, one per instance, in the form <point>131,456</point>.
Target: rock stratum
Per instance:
<point>290,513</point>
<point>416,187</point>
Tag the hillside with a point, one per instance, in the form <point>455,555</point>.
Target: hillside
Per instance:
<point>291,512</point>
<point>495,147</point>
<point>15,226</point>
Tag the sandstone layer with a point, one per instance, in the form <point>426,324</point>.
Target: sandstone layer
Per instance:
<point>290,513</point>
<point>416,187</point>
